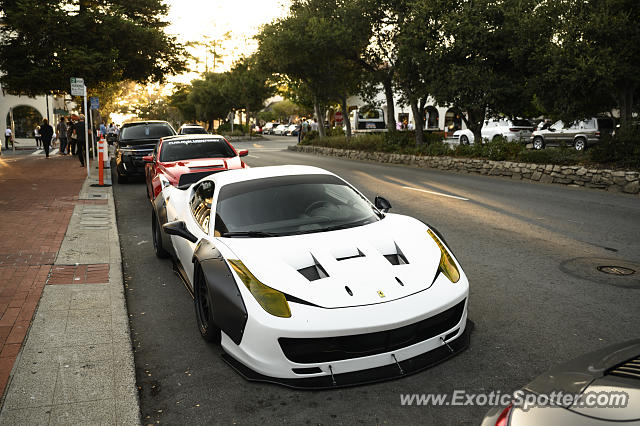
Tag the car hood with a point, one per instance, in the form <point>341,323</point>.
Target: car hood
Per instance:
<point>591,373</point>
<point>353,258</point>
<point>178,168</point>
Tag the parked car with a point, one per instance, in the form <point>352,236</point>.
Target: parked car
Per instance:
<point>305,283</point>
<point>516,130</point>
<point>268,128</point>
<point>280,129</point>
<point>136,140</point>
<point>292,130</point>
<point>367,120</point>
<point>182,160</point>
<point>580,134</point>
<point>191,129</point>
<point>561,396</point>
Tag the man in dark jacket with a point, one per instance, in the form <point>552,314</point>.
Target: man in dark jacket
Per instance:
<point>80,142</point>
<point>46,133</point>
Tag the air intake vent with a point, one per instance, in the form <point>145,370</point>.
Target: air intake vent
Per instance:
<point>189,178</point>
<point>314,272</point>
<point>360,254</point>
<point>397,258</point>
<point>630,369</point>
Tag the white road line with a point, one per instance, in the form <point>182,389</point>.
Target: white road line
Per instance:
<point>253,156</point>
<point>55,151</point>
<point>436,193</point>
<point>37,152</point>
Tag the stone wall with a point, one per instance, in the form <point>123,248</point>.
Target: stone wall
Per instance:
<point>610,180</point>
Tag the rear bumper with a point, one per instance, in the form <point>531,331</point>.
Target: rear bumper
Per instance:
<point>371,375</point>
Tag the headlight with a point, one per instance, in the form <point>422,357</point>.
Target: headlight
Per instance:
<point>164,182</point>
<point>447,265</point>
<point>272,301</point>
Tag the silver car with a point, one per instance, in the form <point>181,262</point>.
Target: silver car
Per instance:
<point>580,134</point>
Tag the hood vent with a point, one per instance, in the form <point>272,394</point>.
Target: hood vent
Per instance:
<point>398,258</point>
<point>360,254</point>
<point>314,272</point>
<point>630,369</point>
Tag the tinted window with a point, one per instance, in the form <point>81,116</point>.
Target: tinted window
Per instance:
<point>195,148</point>
<point>193,131</point>
<point>146,131</point>
<point>201,204</point>
<point>605,124</point>
<point>522,123</point>
<point>287,205</point>
<point>371,114</point>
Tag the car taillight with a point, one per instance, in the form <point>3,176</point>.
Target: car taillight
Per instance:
<point>598,134</point>
<point>503,418</point>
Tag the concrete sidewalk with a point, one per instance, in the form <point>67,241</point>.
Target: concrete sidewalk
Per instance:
<point>76,364</point>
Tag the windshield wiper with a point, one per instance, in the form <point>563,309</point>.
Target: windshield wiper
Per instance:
<point>250,234</point>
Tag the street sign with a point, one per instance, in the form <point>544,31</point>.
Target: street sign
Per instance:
<point>338,116</point>
<point>95,102</point>
<point>77,86</point>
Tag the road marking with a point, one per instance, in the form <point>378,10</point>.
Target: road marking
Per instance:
<point>55,151</point>
<point>436,193</point>
<point>37,152</point>
<point>253,156</point>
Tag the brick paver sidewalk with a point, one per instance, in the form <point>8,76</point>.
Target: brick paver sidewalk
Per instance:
<point>37,198</point>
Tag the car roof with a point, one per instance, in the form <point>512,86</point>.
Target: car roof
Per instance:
<point>241,175</point>
<point>138,123</point>
<point>193,136</point>
<point>191,125</point>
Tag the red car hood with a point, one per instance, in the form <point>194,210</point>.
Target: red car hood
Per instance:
<point>175,169</point>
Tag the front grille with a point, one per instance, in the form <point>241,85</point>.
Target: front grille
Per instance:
<point>327,349</point>
<point>189,178</point>
<point>630,369</point>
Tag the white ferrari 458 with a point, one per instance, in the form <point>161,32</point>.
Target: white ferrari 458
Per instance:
<point>306,283</point>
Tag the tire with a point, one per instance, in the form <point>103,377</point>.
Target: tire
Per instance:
<point>204,314</point>
<point>580,144</point>
<point>122,179</point>
<point>464,140</point>
<point>158,248</point>
<point>538,143</point>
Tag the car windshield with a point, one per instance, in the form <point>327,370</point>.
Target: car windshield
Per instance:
<point>195,130</point>
<point>195,148</point>
<point>370,114</point>
<point>289,205</point>
<point>522,123</point>
<point>146,131</point>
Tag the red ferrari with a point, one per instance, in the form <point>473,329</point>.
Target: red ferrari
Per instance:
<point>185,159</point>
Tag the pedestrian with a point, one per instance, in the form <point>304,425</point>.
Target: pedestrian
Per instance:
<point>37,136</point>
<point>46,133</point>
<point>103,129</point>
<point>8,137</point>
<point>61,131</point>
<point>80,139</point>
<point>314,125</point>
<point>72,136</point>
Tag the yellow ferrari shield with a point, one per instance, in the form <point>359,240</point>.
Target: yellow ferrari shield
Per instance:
<point>380,293</point>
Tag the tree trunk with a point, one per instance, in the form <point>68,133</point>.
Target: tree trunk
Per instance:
<point>391,110</point>
<point>417,118</point>
<point>345,116</point>
<point>625,100</point>
<point>473,120</point>
<point>318,110</point>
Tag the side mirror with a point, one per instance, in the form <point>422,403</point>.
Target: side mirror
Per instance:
<point>243,152</point>
<point>148,158</point>
<point>178,228</point>
<point>382,204</point>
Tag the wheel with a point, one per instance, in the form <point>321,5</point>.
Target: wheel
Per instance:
<point>122,179</point>
<point>538,143</point>
<point>157,238</point>
<point>580,144</point>
<point>204,313</point>
<point>464,140</point>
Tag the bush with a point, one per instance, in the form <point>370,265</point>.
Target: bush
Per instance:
<point>226,127</point>
<point>561,156</point>
<point>623,149</point>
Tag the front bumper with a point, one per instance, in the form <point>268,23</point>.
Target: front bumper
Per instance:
<point>131,164</point>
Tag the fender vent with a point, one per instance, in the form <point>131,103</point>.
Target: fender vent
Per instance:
<point>630,369</point>
<point>397,258</point>
<point>360,254</point>
<point>314,272</point>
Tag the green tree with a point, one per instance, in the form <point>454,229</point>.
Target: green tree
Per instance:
<point>248,87</point>
<point>209,98</point>
<point>45,42</point>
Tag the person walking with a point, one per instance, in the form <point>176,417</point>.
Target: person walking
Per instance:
<point>61,131</point>
<point>46,133</point>
<point>8,137</point>
<point>37,136</point>
<point>80,139</point>
<point>72,137</point>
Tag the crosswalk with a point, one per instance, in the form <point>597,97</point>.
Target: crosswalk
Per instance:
<point>41,152</point>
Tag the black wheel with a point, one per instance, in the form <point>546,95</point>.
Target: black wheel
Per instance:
<point>464,140</point>
<point>122,179</point>
<point>538,143</point>
<point>157,238</point>
<point>204,310</point>
<point>580,144</point>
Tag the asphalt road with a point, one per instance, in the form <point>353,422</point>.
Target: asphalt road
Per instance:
<point>530,252</point>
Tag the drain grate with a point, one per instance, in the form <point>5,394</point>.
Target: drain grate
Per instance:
<point>615,270</point>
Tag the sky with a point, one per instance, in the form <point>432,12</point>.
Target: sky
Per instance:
<point>209,20</point>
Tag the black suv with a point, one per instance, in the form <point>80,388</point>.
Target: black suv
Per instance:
<point>136,140</point>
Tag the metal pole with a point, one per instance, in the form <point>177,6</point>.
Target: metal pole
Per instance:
<point>86,133</point>
<point>13,131</point>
